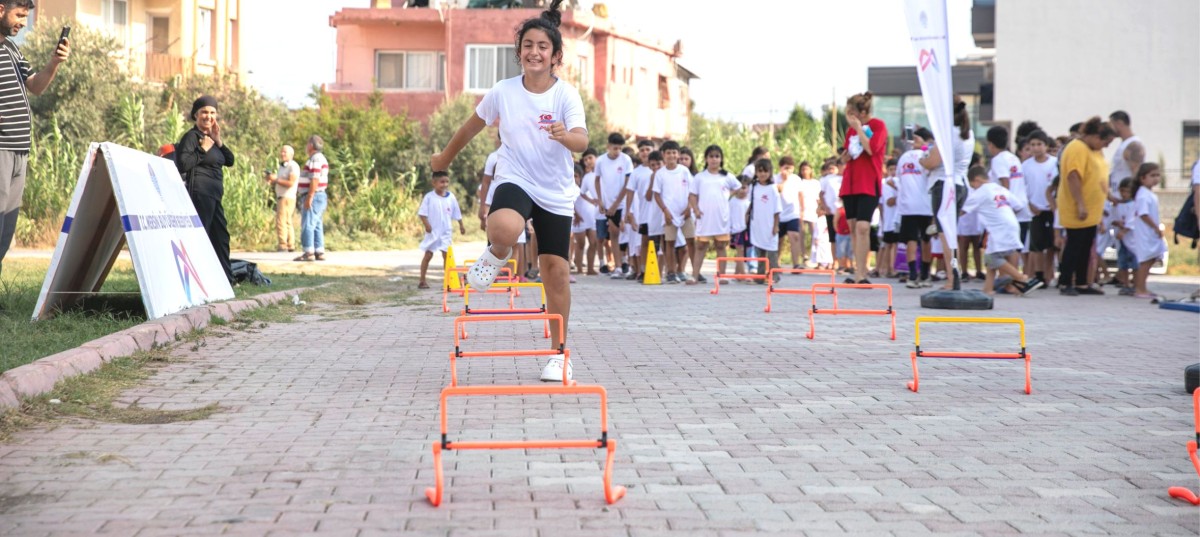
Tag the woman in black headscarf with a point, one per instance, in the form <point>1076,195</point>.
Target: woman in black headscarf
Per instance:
<point>200,156</point>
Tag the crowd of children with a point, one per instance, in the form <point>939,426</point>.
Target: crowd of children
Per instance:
<point>663,196</point>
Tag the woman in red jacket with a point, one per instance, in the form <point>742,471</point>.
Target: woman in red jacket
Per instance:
<point>865,148</point>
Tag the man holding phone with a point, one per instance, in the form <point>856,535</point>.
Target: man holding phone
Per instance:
<point>17,81</point>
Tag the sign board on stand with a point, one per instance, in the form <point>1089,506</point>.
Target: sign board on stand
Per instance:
<point>127,196</point>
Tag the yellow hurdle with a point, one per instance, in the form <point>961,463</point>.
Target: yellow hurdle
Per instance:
<point>918,353</point>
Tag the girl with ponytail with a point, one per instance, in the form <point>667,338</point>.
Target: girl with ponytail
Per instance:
<point>541,125</point>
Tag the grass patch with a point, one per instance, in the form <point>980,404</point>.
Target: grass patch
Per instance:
<point>25,341</point>
<point>1182,261</point>
<point>91,397</point>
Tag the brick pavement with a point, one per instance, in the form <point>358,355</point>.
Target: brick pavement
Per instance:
<point>729,422</point>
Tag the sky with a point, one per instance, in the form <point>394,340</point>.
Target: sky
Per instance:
<point>756,58</point>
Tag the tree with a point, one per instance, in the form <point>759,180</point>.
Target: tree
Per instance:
<point>85,88</point>
<point>597,122</point>
<point>467,168</point>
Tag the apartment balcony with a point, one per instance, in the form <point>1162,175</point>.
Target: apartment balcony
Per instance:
<point>160,67</point>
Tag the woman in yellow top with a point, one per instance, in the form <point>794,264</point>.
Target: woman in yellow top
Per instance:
<point>1084,176</point>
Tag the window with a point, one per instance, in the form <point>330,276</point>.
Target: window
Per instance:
<point>204,37</point>
<point>115,14</point>
<point>410,70</point>
<point>1191,148</point>
<point>585,78</point>
<point>160,35</point>
<point>664,93</point>
<point>488,64</point>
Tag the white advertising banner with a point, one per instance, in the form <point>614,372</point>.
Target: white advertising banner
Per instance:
<point>127,196</point>
<point>931,45</point>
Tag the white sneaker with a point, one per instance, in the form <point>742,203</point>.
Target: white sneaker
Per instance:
<point>481,275</point>
<point>617,274</point>
<point>553,372</point>
<point>913,284</point>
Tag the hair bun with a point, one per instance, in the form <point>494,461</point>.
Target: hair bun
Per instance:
<point>552,14</point>
<point>960,106</point>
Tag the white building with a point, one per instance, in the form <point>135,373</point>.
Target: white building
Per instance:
<point>1063,61</point>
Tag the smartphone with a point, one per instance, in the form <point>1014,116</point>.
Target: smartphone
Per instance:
<point>66,32</point>
<point>908,132</point>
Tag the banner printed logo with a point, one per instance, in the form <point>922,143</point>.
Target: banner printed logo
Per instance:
<point>928,59</point>
<point>183,264</point>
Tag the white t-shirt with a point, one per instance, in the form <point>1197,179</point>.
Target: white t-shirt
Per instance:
<point>912,198</point>
<point>891,215</point>
<point>611,172</point>
<point>1146,243</point>
<point>639,181</point>
<point>489,168</point>
<point>712,198</point>
<point>1006,164</point>
<point>737,214</point>
<point>441,211</point>
<point>790,198</point>
<point>588,188</point>
<point>996,207</point>
<point>528,158</point>
<point>764,205</point>
<point>585,208</point>
<point>810,192</point>
<point>830,186</point>
<point>1038,176</point>
<point>748,171</point>
<point>674,187</point>
<point>1196,173</point>
<point>1118,169</point>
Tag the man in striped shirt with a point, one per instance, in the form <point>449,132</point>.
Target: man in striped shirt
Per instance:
<point>16,83</point>
<point>311,197</point>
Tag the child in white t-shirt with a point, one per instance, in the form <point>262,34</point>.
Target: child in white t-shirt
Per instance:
<point>889,223</point>
<point>1147,238</point>
<point>765,208</point>
<point>831,184</point>
<point>739,233</point>
<point>542,123</point>
<point>671,187</point>
<point>709,200</point>
<point>438,209</point>
<point>583,227</point>
<point>1123,216</point>
<point>997,208</point>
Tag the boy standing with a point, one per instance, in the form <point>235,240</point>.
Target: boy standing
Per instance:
<point>612,176</point>
<point>997,208</point>
<point>915,208</point>
<point>672,184</point>
<point>438,209</point>
<point>1039,171</point>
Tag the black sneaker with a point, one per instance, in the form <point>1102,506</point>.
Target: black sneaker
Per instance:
<point>604,269</point>
<point>1091,291</point>
<point>631,277</point>
<point>849,280</point>
<point>864,281</point>
<point>641,278</point>
<point>979,275</point>
<point>701,279</point>
<point>1027,287</point>
<point>1068,291</point>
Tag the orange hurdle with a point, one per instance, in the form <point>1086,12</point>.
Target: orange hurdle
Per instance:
<point>812,327</point>
<point>512,309</point>
<point>771,290</point>
<point>918,353</point>
<point>446,290</point>
<point>1184,493</point>
<point>460,327</point>
<point>717,288</point>
<point>611,493</point>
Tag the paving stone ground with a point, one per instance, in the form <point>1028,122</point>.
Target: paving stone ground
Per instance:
<point>729,422</point>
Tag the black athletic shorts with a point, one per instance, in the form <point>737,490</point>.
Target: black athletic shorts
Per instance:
<point>553,230</point>
<point>891,237</point>
<point>615,218</point>
<point>644,230</point>
<point>1041,232</point>
<point>1024,232</point>
<point>913,227</point>
<point>874,238</point>
<point>860,206</point>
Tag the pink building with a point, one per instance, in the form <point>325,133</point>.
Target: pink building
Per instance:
<point>421,57</point>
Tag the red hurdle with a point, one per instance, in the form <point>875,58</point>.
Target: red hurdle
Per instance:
<point>717,287</point>
<point>772,290</point>
<point>812,326</point>
<point>918,353</point>
<point>1184,493</point>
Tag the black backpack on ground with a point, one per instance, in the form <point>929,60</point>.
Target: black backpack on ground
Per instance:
<point>245,271</point>
<point>1185,223</point>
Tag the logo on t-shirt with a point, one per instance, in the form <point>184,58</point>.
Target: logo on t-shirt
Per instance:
<point>1015,173</point>
<point>1001,201</point>
<point>546,119</point>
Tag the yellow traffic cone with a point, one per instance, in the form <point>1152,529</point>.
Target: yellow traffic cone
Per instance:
<point>653,276</point>
<point>451,277</point>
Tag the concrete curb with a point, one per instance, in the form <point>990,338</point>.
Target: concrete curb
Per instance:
<point>42,375</point>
